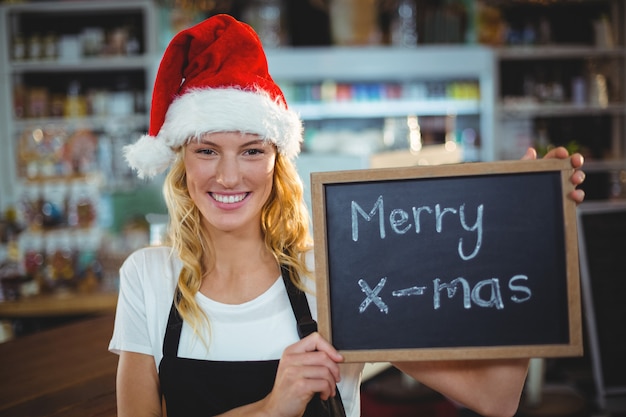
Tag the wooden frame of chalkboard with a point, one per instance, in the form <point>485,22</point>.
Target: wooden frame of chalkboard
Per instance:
<point>464,261</point>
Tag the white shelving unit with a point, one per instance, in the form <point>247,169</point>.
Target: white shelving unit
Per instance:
<point>64,19</point>
<point>480,64</point>
<point>383,64</point>
<point>58,108</point>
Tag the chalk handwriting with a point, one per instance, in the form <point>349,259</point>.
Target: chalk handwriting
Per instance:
<point>520,288</point>
<point>494,299</point>
<point>355,221</point>
<point>372,296</point>
<point>486,293</point>
<point>477,227</point>
<point>400,222</point>
<point>409,291</point>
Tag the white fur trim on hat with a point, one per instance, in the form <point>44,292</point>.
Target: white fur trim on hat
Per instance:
<point>208,110</point>
<point>149,156</point>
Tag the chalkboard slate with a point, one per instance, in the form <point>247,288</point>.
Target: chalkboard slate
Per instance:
<point>457,261</point>
<point>602,227</point>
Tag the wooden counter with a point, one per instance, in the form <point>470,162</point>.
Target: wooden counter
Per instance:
<point>63,304</point>
<point>61,372</point>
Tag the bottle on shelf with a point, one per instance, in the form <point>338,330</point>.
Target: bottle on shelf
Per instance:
<point>18,48</point>
<point>11,272</point>
<point>75,102</point>
<point>404,24</point>
<point>50,47</point>
<point>19,97</point>
<point>35,47</point>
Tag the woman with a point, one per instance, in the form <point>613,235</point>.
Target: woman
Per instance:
<point>208,324</point>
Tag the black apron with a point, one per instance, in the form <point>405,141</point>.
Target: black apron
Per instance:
<point>194,387</point>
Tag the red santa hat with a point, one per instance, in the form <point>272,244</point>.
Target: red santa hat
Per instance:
<point>213,77</point>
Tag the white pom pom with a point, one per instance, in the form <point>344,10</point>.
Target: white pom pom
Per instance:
<point>149,156</point>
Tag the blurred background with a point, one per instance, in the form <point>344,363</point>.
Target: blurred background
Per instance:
<point>378,83</point>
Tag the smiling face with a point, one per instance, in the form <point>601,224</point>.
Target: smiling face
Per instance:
<point>229,178</point>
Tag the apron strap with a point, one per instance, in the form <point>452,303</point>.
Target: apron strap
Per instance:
<point>332,407</point>
<point>299,304</point>
<point>173,329</point>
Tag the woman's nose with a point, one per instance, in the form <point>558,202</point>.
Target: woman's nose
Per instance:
<point>228,172</point>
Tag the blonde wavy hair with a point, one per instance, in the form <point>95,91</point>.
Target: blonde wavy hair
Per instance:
<point>284,224</point>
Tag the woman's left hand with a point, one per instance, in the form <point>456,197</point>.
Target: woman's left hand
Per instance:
<point>577,160</point>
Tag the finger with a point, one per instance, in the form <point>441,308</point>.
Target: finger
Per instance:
<point>324,387</point>
<point>315,359</point>
<point>577,160</point>
<point>315,342</point>
<point>323,381</point>
<point>578,177</point>
<point>559,153</point>
<point>531,153</point>
<point>577,195</point>
<point>308,380</point>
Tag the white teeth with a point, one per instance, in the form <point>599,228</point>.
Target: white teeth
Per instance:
<point>228,199</point>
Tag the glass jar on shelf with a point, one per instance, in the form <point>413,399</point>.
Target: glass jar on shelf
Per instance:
<point>33,259</point>
<point>50,50</point>
<point>18,48</point>
<point>404,24</point>
<point>53,208</point>
<point>30,203</point>
<point>82,203</point>
<point>60,261</point>
<point>35,47</point>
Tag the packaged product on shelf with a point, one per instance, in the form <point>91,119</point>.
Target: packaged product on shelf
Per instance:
<point>98,102</point>
<point>110,155</point>
<point>37,102</point>
<point>265,17</point>
<point>40,151</point>
<point>50,49</point>
<point>60,260</point>
<point>88,268</point>
<point>404,24</point>
<point>395,133</point>
<point>57,105</point>
<point>117,40</point>
<point>11,276</point>
<point>53,209</point>
<point>105,157</point>
<point>93,41</point>
<point>69,48</point>
<point>33,259</point>
<point>82,203</point>
<point>133,46</point>
<point>31,203</point>
<point>122,98</point>
<point>80,152</point>
<point>354,22</point>
<point>18,50</point>
<point>35,47</point>
<point>75,102</point>
<point>50,151</point>
<point>19,98</point>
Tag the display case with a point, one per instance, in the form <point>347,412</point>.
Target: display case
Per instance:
<point>562,81</point>
<point>75,79</point>
<point>395,106</point>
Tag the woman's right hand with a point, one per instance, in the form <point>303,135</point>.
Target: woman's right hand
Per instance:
<point>307,367</point>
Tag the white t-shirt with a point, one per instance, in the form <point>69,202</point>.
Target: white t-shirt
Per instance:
<point>259,329</point>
